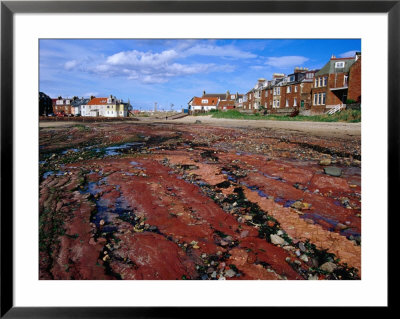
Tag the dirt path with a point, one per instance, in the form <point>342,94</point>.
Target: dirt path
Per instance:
<point>338,129</point>
<point>333,129</point>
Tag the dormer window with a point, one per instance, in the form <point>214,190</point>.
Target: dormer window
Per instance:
<point>339,65</point>
<point>204,101</point>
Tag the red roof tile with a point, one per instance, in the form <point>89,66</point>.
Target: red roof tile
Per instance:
<point>211,101</point>
<point>98,101</point>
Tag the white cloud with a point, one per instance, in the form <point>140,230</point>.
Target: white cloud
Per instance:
<point>286,61</point>
<point>227,51</point>
<point>137,58</point>
<point>348,54</point>
<point>69,65</point>
<point>149,67</point>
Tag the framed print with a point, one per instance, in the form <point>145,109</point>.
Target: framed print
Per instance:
<point>196,154</point>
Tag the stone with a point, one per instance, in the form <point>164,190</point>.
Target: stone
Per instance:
<point>333,171</point>
<point>328,267</point>
<point>297,205</point>
<point>304,258</point>
<point>276,240</point>
<point>302,247</point>
<point>214,274</point>
<point>230,273</point>
<point>197,122</point>
<point>244,234</point>
<point>325,162</point>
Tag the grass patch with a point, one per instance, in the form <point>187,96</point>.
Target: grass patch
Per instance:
<point>351,116</point>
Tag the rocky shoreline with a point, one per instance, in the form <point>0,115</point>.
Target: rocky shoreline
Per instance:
<point>177,201</point>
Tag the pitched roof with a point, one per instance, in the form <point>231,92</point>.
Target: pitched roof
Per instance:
<point>210,101</point>
<point>226,103</point>
<point>78,102</point>
<point>329,67</point>
<point>98,101</point>
<point>222,96</point>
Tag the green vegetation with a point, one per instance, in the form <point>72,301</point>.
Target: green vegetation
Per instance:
<point>351,116</point>
<point>82,127</point>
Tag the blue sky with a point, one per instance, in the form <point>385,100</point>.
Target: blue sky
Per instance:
<point>172,71</point>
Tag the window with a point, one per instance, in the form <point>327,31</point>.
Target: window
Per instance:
<point>323,98</point>
<point>320,81</point>
<point>289,89</point>
<point>316,82</point>
<point>345,80</point>
<point>295,102</point>
<point>339,65</point>
<point>325,80</point>
<point>266,93</point>
<point>278,103</point>
<point>204,101</point>
<point>315,99</point>
<point>295,88</point>
<point>287,102</point>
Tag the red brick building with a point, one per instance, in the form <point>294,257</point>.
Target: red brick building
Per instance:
<point>62,106</point>
<point>331,83</point>
<point>306,85</point>
<point>354,92</point>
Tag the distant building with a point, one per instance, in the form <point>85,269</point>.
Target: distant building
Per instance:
<point>203,104</point>
<point>105,106</point>
<point>76,105</point>
<point>239,101</point>
<point>62,106</point>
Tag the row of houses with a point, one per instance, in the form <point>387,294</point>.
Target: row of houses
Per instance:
<point>338,82</point>
<point>95,106</point>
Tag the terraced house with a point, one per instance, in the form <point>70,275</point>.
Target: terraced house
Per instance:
<point>62,106</point>
<point>331,83</point>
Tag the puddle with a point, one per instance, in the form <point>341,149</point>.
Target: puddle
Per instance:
<point>137,166</point>
<point>49,173</point>
<point>229,176</point>
<point>289,203</point>
<point>277,178</point>
<point>104,212</point>
<point>75,150</point>
<point>120,149</point>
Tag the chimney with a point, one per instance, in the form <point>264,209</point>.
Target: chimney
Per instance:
<point>333,57</point>
<point>204,93</point>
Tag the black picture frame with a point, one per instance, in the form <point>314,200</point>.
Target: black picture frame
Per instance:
<point>9,8</point>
